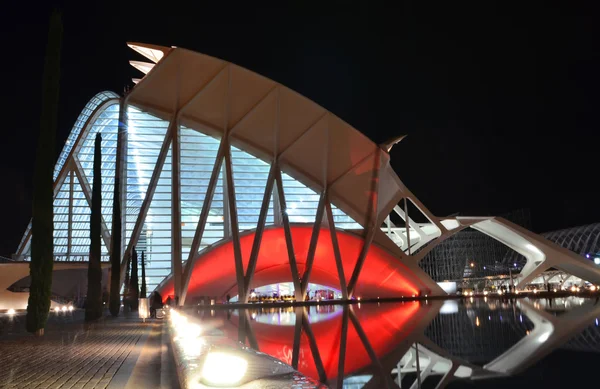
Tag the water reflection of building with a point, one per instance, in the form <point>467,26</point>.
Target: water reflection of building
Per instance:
<point>478,332</point>
<point>287,315</point>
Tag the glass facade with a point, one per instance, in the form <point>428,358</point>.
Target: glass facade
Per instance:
<point>145,137</point>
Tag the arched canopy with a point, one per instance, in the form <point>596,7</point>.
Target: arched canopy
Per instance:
<point>273,122</point>
<point>383,275</point>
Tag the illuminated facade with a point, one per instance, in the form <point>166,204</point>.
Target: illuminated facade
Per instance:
<point>230,181</point>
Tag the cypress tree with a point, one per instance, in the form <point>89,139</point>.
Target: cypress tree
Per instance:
<point>93,307</point>
<point>42,228</point>
<point>115,250</point>
<point>135,281</point>
<point>143,291</point>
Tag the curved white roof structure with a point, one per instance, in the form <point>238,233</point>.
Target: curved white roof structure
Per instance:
<point>273,122</point>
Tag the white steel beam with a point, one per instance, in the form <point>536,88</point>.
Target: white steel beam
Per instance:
<point>139,223</point>
<point>121,170</point>
<point>288,237</point>
<point>310,257</point>
<point>260,227</point>
<point>176,254</point>
<point>210,191</point>
<point>70,233</point>
<point>371,225</point>
<point>235,231</point>
<point>87,191</point>
<point>336,251</point>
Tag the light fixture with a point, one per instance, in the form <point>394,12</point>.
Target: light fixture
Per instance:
<point>472,264</point>
<point>597,260</point>
<point>11,311</point>
<point>56,309</point>
<point>223,369</point>
<point>544,337</point>
<point>64,308</point>
<point>70,308</point>
<point>531,247</point>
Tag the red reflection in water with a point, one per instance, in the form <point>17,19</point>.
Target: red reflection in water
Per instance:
<point>383,275</point>
<point>386,327</point>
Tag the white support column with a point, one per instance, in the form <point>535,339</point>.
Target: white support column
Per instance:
<point>371,225</point>
<point>70,233</point>
<point>336,251</point>
<point>139,223</point>
<point>235,231</point>
<point>176,254</point>
<point>87,191</point>
<point>407,225</point>
<point>313,244</point>
<point>277,219</point>
<point>210,192</point>
<point>226,211</point>
<point>121,165</point>
<point>260,227</point>
<point>288,237</point>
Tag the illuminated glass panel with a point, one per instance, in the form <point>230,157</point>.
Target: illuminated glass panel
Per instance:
<point>250,179</point>
<point>198,155</point>
<point>145,137</point>
<point>61,221</point>
<point>107,124</point>
<point>79,123</point>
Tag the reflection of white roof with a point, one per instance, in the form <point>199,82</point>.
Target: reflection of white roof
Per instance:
<point>271,121</point>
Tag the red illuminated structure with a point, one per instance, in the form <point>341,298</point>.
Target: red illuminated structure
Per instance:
<point>382,274</point>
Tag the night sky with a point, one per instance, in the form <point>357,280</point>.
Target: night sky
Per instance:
<point>499,101</point>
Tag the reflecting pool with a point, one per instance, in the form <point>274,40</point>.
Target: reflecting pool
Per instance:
<point>426,344</point>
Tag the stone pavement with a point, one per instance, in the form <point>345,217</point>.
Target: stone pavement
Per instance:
<point>110,353</point>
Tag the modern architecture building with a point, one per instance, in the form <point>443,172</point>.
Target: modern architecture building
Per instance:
<point>230,181</point>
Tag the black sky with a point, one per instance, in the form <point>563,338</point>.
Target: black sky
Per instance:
<point>499,100</point>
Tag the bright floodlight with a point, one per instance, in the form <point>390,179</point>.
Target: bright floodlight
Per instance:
<point>188,330</point>
<point>70,308</point>
<point>544,337</point>
<point>11,311</point>
<point>64,308</point>
<point>56,309</point>
<point>192,347</point>
<point>223,369</point>
<point>597,260</point>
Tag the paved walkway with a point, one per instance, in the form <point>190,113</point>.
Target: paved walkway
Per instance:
<point>109,353</point>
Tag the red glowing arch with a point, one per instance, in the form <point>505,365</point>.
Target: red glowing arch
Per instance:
<point>382,275</point>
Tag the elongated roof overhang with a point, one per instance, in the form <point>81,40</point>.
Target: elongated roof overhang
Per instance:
<point>272,122</point>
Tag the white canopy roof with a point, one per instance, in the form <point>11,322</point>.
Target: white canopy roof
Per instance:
<point>272,122</point>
